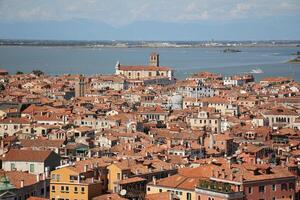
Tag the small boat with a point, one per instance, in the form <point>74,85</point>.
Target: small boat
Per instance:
<point>231,50</point>
<point>256,71</point>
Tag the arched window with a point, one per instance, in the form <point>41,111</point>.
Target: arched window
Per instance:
<point>283,186</point>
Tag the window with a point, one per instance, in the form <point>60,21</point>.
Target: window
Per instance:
<point>291,186</point>
<point>57,177</point>
<point>261,188</point>
<point>12,166</point>
<point>75,189</point>
<point>118,176</point>
<point>283,186</point>
<point>53,176</point>
<point>148,188</point>
<point>160,190</point>
<point>188,196</point>
<point>42,191</point>
<point>249,190</point>
<point>73,178</point>
<point>274,187</point>
<point>53,188</point>
<point>82,189</point>
<point>31,168</point>
<point>62,188</point>
<point>67,189</point>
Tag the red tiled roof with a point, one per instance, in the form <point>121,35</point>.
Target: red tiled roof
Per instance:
<point>131,180</point>
<point>15,178</point>
<point>13,120</point>
<point>42,143</point>
<point>26,155</point>
<point>109,196</point>
<point>143,68</point>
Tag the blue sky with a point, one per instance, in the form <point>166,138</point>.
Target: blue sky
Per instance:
<point>150,19</point>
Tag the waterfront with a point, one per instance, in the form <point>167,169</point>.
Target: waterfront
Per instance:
<point>64,60</point>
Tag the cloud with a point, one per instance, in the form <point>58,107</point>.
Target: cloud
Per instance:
<point>120,12</point>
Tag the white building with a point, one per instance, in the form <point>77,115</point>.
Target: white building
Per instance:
<point>195,89</point>
<point>112,82</point>
<point>33,161</point>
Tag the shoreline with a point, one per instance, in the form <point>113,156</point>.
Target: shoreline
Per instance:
<point>149,46</point>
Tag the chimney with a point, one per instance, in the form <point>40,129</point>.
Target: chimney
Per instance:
<point>154,180</point>
<point>22,183</point>
<point>47,173</point>
<point>37,178</point>
<point>85,168</point>
<point>211,141</point>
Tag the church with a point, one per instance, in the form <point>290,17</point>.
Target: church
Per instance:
<point>149,72</point>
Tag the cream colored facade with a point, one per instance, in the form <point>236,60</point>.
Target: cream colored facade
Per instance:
<point>181,193</point>
<point>205,120</point>
<point>142,74</point>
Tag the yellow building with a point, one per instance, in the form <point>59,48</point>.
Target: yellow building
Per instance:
<point>73,183</point>
<point>117,172</point>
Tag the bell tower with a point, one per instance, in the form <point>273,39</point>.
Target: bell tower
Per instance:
<point>154,59</point>
<point>80,87</point>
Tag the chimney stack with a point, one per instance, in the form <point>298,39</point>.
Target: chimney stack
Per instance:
<point>37,178</point>
<point>22,183</point>
<point>154,180</point>
<point>85,168</point>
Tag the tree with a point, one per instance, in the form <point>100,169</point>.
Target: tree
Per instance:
<point>38,72</point>
<point>19,72</point>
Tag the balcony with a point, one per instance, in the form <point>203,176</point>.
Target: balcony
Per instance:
<point>218,189</point>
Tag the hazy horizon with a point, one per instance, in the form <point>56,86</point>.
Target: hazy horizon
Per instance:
<point>157,20</point>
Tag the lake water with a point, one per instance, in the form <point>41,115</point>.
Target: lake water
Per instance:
<point>65,60</point>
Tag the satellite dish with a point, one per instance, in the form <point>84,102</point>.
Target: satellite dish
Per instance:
<point>123,192</point>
